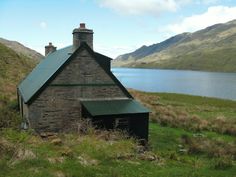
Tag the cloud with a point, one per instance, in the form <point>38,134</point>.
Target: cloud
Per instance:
<point>43,25</point>
<point>140,7</point>
<point>207,2</point>
<point>214,15</point>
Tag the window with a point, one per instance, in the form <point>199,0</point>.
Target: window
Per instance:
<point>121,123</point>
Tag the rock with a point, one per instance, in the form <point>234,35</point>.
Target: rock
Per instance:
<point>47,134</point>
<point>140,149</point>
<point>149,156</point>
<point>87,161</point>
<point>183,151</point>
<point>25,154</point>
<point>43,135</point>
<point>198,135</point>
<point>56,141</point>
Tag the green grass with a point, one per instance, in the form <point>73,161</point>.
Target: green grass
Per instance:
<point>13,68</point>
<point>109,154</point>
<point>164,143</point>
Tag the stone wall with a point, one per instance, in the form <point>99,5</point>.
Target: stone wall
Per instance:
<point>82,70</point>
<point>58,107</point>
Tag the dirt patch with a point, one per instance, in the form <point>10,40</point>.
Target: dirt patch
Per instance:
<point>21,154</point>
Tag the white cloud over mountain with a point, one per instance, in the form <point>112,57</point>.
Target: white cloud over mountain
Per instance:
<point>214,15</point>
<point>139,7</point>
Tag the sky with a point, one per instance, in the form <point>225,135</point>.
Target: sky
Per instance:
<point>120,26</point>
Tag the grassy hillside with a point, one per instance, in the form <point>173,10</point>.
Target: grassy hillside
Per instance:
<point>149,50</point>
<point>189,136</point>
<point>207,61</point>
<point>210,49</point>
<point>13,68</point>
<point>21,49</point>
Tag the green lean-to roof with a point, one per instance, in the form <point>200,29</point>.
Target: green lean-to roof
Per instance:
<point>114,107</point>
<point>46,69</point>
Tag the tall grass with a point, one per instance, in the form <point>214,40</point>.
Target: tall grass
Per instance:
<point>9,114</point>
<point>213,148</point>
<point>191,112</point>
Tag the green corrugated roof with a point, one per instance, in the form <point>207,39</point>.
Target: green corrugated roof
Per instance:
<point>42,72</point>
<point>114,107</point>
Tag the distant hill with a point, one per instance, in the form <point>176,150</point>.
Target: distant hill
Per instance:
<point>148,50</point>
<point>21,49</point>
<point>210,49</point>
<point>13,67</point>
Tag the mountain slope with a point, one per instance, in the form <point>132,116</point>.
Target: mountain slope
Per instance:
<point>148,50</point>
<point>21,49</point>
<point>210,49</point>
<point>13,68</point>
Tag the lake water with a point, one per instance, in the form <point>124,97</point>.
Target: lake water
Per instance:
<point>210,84</point>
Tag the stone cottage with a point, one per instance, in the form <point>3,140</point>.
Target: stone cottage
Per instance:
<point>76,82</point>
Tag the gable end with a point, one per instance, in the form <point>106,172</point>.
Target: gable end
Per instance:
<point>102,60</point>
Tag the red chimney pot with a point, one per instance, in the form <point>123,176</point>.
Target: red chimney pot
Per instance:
<point>82,25</point>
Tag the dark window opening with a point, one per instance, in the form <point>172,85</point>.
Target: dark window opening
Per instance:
<point>121,123</point>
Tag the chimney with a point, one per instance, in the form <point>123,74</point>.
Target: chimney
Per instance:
<point>82,34</point>
<point>49,48</point>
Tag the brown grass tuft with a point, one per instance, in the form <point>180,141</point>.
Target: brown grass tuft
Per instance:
<point>213,148</point>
